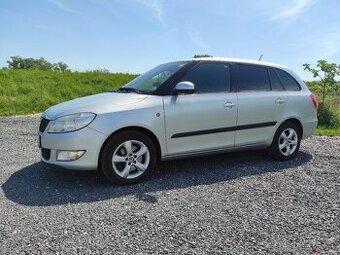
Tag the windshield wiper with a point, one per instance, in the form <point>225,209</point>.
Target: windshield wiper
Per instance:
<point>128,90</point>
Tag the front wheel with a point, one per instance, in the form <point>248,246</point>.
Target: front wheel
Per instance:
<point>286,142</point>
<point>128,157</point>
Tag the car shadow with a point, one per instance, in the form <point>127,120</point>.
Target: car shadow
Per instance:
<point>37,185</point>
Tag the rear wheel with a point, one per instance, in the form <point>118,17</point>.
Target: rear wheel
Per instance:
<point>286,142</point>
<point>128,157</point>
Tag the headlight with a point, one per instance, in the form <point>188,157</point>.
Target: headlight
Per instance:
<point>71,122</point>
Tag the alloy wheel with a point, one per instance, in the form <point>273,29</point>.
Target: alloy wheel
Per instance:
<point>288,141</point>
<point>131,159</point>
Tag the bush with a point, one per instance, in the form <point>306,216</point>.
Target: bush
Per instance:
<point>328,117</point>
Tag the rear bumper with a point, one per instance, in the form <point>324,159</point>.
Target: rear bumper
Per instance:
<point>86,139</point>
<point>309,128</point>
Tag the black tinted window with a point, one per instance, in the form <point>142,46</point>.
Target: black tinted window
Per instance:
<point>274,80</point>
<point>209,77</point>
<point>288,81</point>
<point>253,78</point>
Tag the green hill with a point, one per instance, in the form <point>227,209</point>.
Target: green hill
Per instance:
<point>32,91</point>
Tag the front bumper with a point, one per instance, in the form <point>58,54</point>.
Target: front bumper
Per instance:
<point>87,139</point>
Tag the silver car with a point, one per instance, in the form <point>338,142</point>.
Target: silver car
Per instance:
<point>180,109</point>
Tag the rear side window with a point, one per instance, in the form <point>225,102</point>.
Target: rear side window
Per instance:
<point>288,81</point>
<point>275,81</point>
<point>253,78</point>
<point>209,77</point>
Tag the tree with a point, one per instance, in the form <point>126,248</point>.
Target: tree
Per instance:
<point>60,67</point>
<point>100,70</point>
<point>42,64</point>
<point>327,73</point>
<point>17,62</point>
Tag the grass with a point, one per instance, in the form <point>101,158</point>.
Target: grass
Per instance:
<point>333,101</point>
<point>327,131</point>
<point>32,91</point>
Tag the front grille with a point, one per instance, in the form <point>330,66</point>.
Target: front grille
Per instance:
<point>46,153</point>
<point>43,124</point>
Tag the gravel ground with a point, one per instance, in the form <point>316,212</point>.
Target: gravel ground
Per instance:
<point>237,203</point>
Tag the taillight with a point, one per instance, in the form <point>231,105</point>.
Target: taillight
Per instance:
<point>314,100</point>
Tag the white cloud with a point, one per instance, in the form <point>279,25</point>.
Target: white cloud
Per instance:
<point>328,45</point>
<point>156,9</point>
<point>322,45</point>
<point>292,10</point>
<point>62,6</point>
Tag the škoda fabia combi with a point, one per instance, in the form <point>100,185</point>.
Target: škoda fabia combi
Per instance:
<point>180,109</point>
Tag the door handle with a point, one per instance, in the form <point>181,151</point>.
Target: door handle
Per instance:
<point>229,105</point>
<point>279,101</point>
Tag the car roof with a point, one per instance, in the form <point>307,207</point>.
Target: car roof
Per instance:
<point>239,60</point>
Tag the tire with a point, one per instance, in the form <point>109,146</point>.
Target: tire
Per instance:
<point>286,142</point>
<point>128,157</point>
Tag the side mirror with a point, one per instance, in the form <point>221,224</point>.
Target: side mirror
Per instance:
<point>185,87</point>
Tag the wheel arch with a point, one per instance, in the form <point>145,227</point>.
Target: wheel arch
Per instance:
<point>292,119</point>
<point>297,122</point>
<point>273,149</point>
<point>144,130</point>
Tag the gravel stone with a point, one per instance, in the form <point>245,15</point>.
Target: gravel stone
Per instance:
<point>236,203</point>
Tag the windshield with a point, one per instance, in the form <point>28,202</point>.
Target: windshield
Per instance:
<point>153,79</point>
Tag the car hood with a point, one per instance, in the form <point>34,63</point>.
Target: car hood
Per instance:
<point>99,103</point>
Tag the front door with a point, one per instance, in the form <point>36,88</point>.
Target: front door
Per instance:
<point>206,119</point>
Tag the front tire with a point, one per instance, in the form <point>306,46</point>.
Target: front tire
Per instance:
<point>286,142</point>
<point>128,157</point>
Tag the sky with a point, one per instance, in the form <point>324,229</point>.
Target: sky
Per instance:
<point>136,35</point>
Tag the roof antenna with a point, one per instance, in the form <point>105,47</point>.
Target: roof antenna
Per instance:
<point>260,57</point>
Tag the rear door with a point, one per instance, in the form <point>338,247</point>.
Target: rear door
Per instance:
<point>257,105</point>
<point>206,119</point>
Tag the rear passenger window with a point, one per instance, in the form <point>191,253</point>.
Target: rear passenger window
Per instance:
<point>275,81</point>
<point>209,77</point>
<point>288,81</point>
<point>253,78</point>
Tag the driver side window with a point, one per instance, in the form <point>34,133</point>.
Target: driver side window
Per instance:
<point>209,77</point>
<point>156,81</point>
